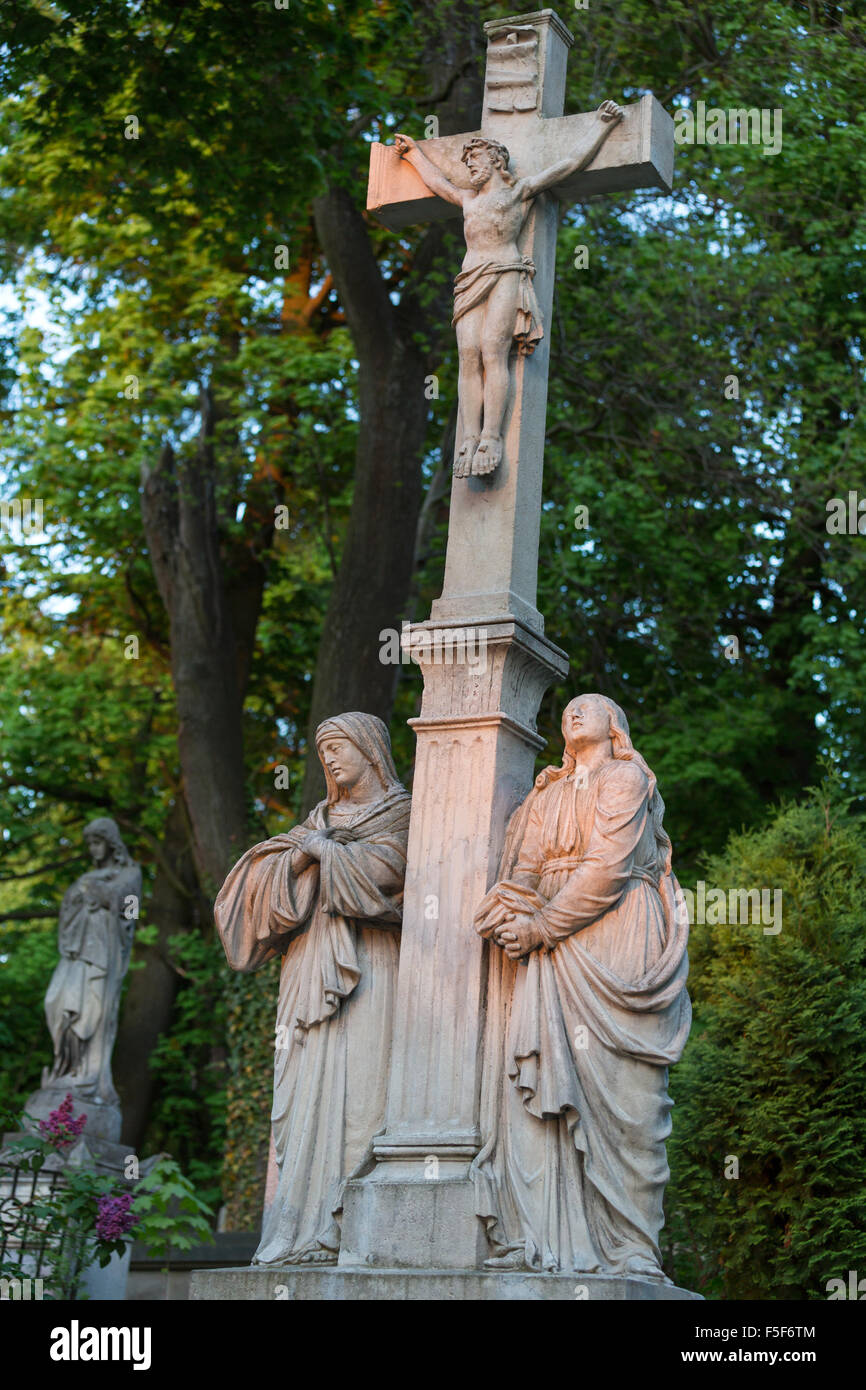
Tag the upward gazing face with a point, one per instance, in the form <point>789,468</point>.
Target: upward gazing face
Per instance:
<point>99,849</point>
<point>585,721</point>
<point>344,761</point>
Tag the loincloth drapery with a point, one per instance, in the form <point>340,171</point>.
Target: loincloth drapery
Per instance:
<point>471,288</point>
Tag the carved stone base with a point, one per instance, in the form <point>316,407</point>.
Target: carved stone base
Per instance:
<point>101,1155</point>
<point>477,743</point>
<point>424,1285</point>
<point>394,1219</point>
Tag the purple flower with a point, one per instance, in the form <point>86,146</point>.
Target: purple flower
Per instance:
<point>114,1216</point>
<point>60,1129</point>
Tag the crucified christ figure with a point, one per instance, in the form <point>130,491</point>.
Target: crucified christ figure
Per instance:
<point>495,306</point>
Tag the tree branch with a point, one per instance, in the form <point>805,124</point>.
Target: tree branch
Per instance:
<point>22,915</point>
<point>43,868</point>
<point>345,242</point>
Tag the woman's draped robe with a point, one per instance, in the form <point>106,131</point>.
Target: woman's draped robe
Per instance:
<point>575,1109</point>
<point>83,998</point>
<point>337,923</point>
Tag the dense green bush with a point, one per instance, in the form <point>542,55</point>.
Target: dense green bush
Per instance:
<point>774,1075</point>
<point>188,1118</point>
<point>28,954</point>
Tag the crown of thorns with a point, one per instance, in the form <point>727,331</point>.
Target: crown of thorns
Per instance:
<point>479,143</point>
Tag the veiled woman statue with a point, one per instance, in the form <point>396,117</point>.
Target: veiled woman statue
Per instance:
<point>97,921</point>
<point>328,897</point>
<point>587,1008</point>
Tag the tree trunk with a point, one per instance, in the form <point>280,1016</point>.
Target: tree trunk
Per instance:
<point>397,348</point>
<point>149,1000</point>
<point>180,525</point>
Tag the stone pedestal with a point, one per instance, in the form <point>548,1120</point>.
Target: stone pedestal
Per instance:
<point>104,1120</point>
<point>423,1285</point>
<point>477,744</point>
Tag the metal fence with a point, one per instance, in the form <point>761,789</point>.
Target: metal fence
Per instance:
<point>36,1247</point>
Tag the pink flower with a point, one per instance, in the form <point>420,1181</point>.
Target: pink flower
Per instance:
<point>114,1216</point>
<point>60,1129</point>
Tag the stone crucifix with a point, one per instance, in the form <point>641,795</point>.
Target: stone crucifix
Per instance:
<point>415,1207</point>
<point>508,180</point>
<point>495,307</point>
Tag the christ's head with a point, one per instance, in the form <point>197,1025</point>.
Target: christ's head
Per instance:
<point>484,159</point>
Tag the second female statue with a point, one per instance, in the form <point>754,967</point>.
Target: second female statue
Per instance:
<point>328,898</point>
<point>98,916</point>
<point>587,1009</point>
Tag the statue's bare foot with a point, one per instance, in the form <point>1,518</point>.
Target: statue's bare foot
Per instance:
<point>463,461</point>
<point>644,1267</point>
<point>512,1259</point>
<point>319,1256</point>
<point>488,455</point>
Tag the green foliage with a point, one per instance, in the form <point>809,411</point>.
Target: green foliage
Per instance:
<point>170,1215</point>
<point>251,1009</point>
<point>28,954</point>
<point>707,512</point>
<point>774,1074</point>
<point>190,1062</point>
<point>139,271</point>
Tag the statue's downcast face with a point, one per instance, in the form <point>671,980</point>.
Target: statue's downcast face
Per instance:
<point>480,167</point>
<point>99,848</point>
<point>481,158</point>
<point>344,761</point>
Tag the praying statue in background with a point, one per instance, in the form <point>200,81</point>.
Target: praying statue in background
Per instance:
<point>97,922</point>
<point>328,898</point>
<point>495,306</point>
<point>587,1008</point>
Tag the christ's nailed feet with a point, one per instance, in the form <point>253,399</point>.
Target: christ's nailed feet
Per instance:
<point>488,455</point>
<point>463,461</point>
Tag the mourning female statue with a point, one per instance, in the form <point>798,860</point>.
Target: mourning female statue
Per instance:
<point>587,1008</point>
<point>97,921</point>
<point>328,898</point>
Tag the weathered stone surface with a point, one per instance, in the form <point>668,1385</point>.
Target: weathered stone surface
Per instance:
<point>525,157</point>
<point>97,921</point>
<point>326,896</point>
<point>477,744</point>
<point>371,1285</point>
<point>586,1010</point>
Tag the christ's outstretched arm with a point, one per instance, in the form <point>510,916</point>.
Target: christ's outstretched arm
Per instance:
<point>610,115</point>
<point>433,177</point>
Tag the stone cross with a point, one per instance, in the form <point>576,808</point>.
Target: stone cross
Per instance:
<point>476,734</point>
<point>498,515</point>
